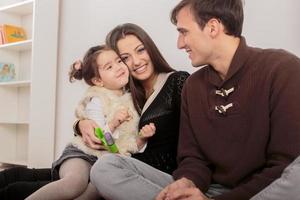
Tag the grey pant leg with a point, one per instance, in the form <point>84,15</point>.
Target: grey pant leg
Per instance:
<point>216,190</point>
<point>121,178</point>
<point>285,187</point>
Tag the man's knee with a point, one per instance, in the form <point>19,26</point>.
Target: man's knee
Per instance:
<point>284,187</point>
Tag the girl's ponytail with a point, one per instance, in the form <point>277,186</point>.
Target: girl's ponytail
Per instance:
<point>76,71</point>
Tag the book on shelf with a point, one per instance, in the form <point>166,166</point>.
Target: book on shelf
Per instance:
<point>10,33</point>
<point>1,35</point>
<point>7,72</point>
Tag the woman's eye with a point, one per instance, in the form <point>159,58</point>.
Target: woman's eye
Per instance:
<point>141,49</point>
<point>124,58</point>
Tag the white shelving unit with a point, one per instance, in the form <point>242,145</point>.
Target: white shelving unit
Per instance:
<point>27,105</point>
<point>18,46</point>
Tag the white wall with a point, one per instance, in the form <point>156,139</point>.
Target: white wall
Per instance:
<point>268,23</point>
<point>8,2</point>
<point>273,24</point>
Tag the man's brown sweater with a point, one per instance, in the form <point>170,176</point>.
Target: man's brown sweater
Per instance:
<point>242,131</point>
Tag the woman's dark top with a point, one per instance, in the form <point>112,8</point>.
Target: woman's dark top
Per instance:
<point>164,112</point>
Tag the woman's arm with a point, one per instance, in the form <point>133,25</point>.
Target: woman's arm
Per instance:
<point>86,129</point>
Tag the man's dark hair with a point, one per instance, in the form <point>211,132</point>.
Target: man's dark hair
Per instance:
<point>229,12</point>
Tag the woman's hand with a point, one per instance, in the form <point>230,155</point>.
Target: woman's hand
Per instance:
<point>87,130</point>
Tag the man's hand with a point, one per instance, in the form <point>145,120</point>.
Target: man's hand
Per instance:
<point>87,129</point>
<point>181,189</point>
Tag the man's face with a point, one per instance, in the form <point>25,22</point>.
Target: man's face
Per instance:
<point>195,41</point>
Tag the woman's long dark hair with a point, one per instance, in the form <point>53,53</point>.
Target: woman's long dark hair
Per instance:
<point>159,63</point>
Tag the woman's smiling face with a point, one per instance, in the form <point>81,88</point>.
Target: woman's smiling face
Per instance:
<point>136,57</point>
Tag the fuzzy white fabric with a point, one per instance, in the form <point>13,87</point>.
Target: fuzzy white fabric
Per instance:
<point>127,131</point>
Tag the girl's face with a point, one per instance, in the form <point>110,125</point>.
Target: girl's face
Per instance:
<point>113,72</point>
<point>134,54</point>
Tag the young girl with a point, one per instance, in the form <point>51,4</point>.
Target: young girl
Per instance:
<point>110,105</point>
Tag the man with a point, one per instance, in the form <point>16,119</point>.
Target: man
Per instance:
<point>240,119</point>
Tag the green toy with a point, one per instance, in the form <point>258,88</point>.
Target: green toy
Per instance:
<point>107,140</point>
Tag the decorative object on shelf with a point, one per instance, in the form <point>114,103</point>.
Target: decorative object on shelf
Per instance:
<point>7,72</point>
<point>11,33</point>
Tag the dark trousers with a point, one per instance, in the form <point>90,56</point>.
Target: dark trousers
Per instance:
<point>17,183</point>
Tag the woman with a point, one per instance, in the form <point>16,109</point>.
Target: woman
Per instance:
<point>156,90</point>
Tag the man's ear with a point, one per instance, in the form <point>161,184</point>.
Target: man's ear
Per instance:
<point>215,26</point>
<point>97,81</point>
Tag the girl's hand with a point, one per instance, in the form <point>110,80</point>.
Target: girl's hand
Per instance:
<point>87,129</point>
<point>147,131</point>
<point>119,117</point>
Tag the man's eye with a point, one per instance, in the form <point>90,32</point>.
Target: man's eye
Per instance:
<point>183,32</point>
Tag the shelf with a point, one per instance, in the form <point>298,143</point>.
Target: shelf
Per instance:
<point>18,46</point>
<point>20,8</point>
<point>16,83</point>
